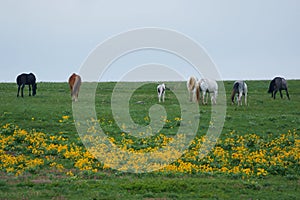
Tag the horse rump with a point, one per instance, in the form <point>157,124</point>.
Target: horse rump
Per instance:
<point>240,88</point>
<point>235,89</point>
<point>161,92</point>
<point>191,86</point>
<point>74,82</point>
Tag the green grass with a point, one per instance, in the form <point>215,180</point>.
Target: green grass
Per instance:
<point>262,116</point>
<point>110,186</point>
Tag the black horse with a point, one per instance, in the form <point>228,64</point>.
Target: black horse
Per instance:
<point>26,79</point>
<point>278,84</point>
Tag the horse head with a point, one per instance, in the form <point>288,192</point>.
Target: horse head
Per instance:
<point>34,88</point>
<point>272,86</point>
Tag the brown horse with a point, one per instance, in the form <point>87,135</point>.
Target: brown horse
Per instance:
<point>74,82</point>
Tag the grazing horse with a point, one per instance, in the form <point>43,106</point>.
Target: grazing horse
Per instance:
<point>207,86</point>
<point>161,92</point>
<point>74,82</point>
<point>278,84</point>
<point>191,86</point>
<point>26,79</point>
<point>240,88</point>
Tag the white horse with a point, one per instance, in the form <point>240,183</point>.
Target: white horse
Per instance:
<point>239,87</point>
<point>191,86</point>
<point>161,92</point>
<point>207,86</point>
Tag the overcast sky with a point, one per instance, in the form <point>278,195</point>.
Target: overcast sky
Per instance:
<point>245,39</point>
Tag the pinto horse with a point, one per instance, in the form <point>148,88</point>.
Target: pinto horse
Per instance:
<point>240,88</point>
<point>191,86</point>
<point>26,79</point>
<point>74,82</point>
<point>161,92</point>
<point>207,86</point>
<point>278,84</point>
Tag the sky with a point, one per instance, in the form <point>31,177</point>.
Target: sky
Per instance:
<point>246,40</point>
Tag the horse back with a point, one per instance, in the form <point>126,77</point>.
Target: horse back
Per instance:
<point>26,79</point>
<point>212,85</point>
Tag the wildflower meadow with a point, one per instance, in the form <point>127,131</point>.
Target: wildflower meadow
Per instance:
<point>42,156</point>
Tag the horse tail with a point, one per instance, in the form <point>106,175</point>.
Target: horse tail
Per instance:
<point>234,91</point>
<point>77,84</point>
<point>19,80</point>
<point>232,95</point>
<point>191,83</point>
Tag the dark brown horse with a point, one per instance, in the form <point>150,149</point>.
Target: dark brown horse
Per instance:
<point>278,84</point>
<point>74,82</point>
<point>26,79</point>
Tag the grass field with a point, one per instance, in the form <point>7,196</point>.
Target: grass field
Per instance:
<point>42,157</point>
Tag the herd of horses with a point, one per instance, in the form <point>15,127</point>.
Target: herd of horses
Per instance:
<point>239,89</point>
<point>195,87</point>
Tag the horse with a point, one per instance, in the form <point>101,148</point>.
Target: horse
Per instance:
<point>207,86</point>
<point>278,84</point>
<point>240,88</point>
<point>191,86</point>
<point>26,79</point>
<point>74,82</point>
<point>161,92</point>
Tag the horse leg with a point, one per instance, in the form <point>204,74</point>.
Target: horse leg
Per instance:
<point>163,97</point>
<point>280,94</point>
<point>241,98</point>
<point>18,90</point>
<point>22,88</point>
<point>245,99</point>
<point>203,97</point>
<point>76,97</point>
<point>274,95</point>
<point>213,99</point>
<point>206,100</point>
<point>287,94</point>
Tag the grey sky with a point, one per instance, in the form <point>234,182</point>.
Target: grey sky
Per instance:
<point>245,39</point>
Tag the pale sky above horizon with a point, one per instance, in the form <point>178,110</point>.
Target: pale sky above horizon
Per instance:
<point>245,39</point>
